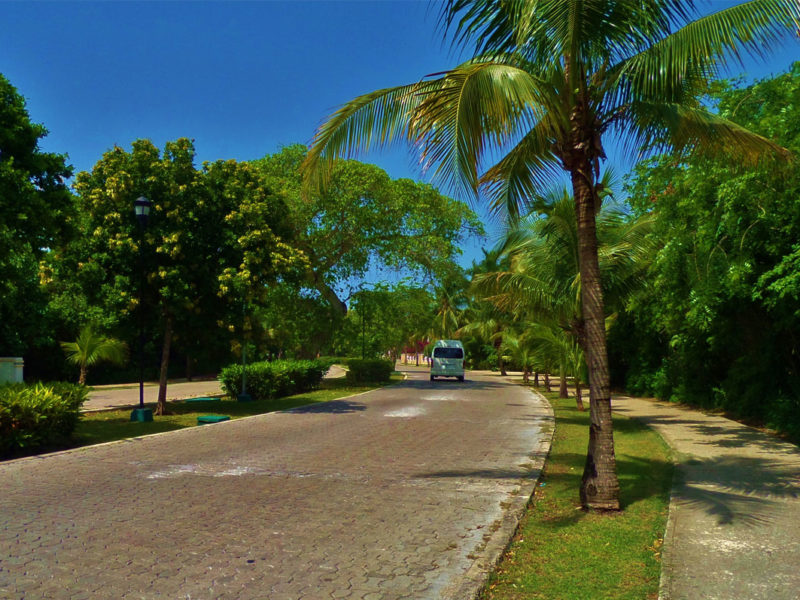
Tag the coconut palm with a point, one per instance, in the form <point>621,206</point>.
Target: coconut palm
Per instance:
<point>551,80</point>
<point>91,348</point>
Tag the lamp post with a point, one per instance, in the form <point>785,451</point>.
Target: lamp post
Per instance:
<point>141,208</point>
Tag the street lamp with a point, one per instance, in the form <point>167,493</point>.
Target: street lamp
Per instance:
<point>141,208</point>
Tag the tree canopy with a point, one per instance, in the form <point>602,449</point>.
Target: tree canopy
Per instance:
<point>35,206</point>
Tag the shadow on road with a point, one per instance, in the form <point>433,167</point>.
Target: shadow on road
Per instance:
<point>332,407</point>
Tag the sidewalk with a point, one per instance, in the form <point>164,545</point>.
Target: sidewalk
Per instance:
<point>126,395</point>
<point>734,523</point>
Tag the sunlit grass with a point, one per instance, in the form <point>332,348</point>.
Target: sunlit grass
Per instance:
<point>112,425</point>
<point>560,551</point>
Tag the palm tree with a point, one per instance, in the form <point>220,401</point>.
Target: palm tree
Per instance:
<point>91,348</point>
<point>551,79</point>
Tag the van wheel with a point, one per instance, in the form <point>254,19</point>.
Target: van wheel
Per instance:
<point>432,377</point>
<point>461,378</point>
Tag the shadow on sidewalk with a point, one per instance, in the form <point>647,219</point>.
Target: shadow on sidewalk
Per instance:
<point>736,489</point>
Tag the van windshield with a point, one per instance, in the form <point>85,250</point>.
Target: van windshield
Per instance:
<point>448,353</point>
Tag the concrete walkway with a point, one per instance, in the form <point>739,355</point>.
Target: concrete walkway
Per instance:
<point>410,491</point>
<point>734,524</point>
<point>106,397</point>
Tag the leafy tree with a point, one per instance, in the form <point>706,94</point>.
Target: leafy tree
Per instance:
<point>210,245</point>
<point>551,79</point>
<point>34,208</point>
<point>91,348</point>
<point>366,219</point>
<point>717,324</point>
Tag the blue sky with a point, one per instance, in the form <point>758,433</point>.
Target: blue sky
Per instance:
<point>240,78</point>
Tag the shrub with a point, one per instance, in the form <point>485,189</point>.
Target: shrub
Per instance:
<point>267,380</point>
<point>38,416</point>
<point>369,370</point>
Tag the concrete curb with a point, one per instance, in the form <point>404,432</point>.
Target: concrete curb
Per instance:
<point>474,580</point>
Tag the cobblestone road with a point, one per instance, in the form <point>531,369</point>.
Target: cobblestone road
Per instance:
<point>391,494</point>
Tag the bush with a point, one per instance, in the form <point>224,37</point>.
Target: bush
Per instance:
<point>267,380</point>
<point>369,370</point>
<point>38,416</point>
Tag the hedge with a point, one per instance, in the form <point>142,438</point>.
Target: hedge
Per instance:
<point>267,380</point>
<point>38,416</point>
<point>369,370</point>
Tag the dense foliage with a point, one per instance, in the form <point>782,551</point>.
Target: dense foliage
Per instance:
<point>718,324</point>
<point>276,379</point>
<point>34,208</point>
<point>38,416</point>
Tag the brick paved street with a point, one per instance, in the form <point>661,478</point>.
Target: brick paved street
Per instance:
<point>391,494</point>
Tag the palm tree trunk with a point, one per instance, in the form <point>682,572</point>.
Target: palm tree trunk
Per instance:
<point>562,384</point>
<point>536,379</point>
<point>599,484</point>
<point>500,364</point>
<point>547,382</point>
<point>161,408</point>
<point>526,375</point>
<point>578,397</point>
<point>82,376</point>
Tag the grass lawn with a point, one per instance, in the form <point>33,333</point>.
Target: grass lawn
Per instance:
<point>108,426</point>
<point>561,552</point>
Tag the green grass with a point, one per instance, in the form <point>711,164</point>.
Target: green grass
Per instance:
<point>112,425</point>
<point>561,552</point>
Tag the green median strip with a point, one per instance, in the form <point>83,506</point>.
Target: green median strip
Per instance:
<point>561,552</point>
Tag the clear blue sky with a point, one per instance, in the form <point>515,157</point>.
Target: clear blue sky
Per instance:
<point>240,78</point>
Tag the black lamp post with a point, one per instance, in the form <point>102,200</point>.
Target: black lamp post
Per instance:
<point>141,208</point>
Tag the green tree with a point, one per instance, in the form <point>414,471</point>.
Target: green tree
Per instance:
<point>551,79</point>
<point>35,206</point>
<point>210,245</point>
<point>717,325</point>
<point>91,348</point>
<point>366,219</point>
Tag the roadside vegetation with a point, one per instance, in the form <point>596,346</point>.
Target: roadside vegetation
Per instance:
<point>560,551</point>
<point>113,425</point>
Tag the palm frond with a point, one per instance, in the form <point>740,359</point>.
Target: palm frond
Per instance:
<point>661,126</point>
<point>370,121</point>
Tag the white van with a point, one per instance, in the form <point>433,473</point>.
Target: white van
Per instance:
<point>448,359</point>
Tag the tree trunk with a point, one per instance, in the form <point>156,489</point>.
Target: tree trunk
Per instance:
<point>417,358</point>
<point>526,375</point>
<point>562,383</point>
<point>599,484</point>
<point>536,379</point>
<point>161,408</point>
<point>82,376</point>
<point>500,364</point>
<point>578,397</point>
<point>188,367</point>
<point>547,382</point>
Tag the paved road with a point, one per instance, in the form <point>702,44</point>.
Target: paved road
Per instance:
<point>734,524</point>
<point>404,492</point>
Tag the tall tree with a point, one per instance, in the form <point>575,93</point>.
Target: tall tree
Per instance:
<point>551,79</point>
<point>366,219</point>
<point>35,210</point>
<point>212,240</point>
